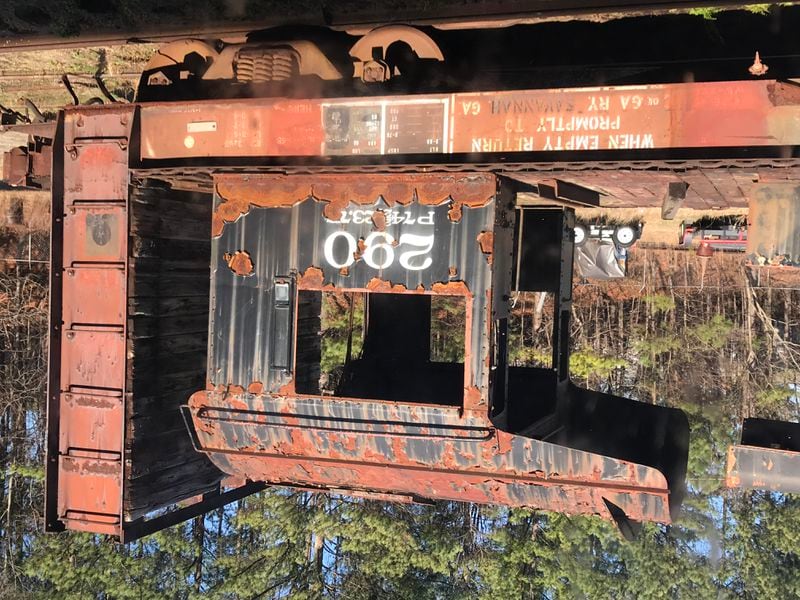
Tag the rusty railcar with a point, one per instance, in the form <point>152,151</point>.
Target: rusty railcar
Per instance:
<point>767,457</point>
<point>195,246</point>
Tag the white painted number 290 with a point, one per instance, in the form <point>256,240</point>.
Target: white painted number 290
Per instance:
<point>379,250</point>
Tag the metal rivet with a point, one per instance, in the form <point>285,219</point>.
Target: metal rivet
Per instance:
<point>70,335</point>
<point>71,272</point>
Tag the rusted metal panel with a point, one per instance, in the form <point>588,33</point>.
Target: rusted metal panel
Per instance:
<point>752,467</point>
<point>318,227</point>
<point>28,165</point>
<point>255,424</point>
<point>773,219</point>
<point>433,453</point>
<point>89,490</point>
<point>238,194</point>
<point>88,392</point>
<point>87,298</point>
<point>93,357</point>
<point>687,115</point>
<point>16,165</point>
<point>95,233</point>
<point>91,418</point>
<point>103,165</point>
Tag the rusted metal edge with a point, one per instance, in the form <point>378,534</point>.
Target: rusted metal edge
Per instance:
<point>206,174</point>
<point>51,521</point>
<point>232,423</point>
<point>44,130</point>
<point>240,193</point>
<point>134,530</point>
<point>534,478</point>
<point>754,467</point>
<point>572,496</point>
<point>667,117</point>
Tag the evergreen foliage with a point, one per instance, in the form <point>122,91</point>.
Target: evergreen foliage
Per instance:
<point>701,351</point>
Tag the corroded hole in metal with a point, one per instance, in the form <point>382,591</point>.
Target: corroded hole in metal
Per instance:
<point>239,262</point>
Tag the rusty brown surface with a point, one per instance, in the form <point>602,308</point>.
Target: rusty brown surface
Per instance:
<point>753,467</point>
<point>784,93</point>
<point>15,166</point>
<point>90,400</point>
<point>239,193</point>
<point>683,115</point>
<point>311,279</point>
<point>486,244</point>
<point>379,220</point>
<point>255,387</point>
<point>773,218</point>
<point>240,263</point>
<point>435,453</point>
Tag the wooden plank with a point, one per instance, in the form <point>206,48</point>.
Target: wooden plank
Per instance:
<point>169,266</point>
<point>169,284</point>
<point>160,370</point>
<point>143,427</point>
<point>187,250</point>
<point>156,452</point>
<point>172,379</point>
<point>194,477</point>
<point>166,345</point>
<point>166,307</point>
<point>157,404</point>
<point>143,326</point>
<point>174,207</point>
<point>163,228</point>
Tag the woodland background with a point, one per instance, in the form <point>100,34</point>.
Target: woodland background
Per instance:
<point>712,338</point>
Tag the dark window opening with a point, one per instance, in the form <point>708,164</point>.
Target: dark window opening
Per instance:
<point>406,348</point>
<point>537,325</point>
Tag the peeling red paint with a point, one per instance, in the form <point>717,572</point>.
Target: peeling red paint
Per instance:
<point>319,454</point>
<point>256,387</point>
<point>235,401</point>
<point>454,214</point>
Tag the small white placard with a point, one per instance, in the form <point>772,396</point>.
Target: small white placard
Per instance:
<point>201,126</point>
